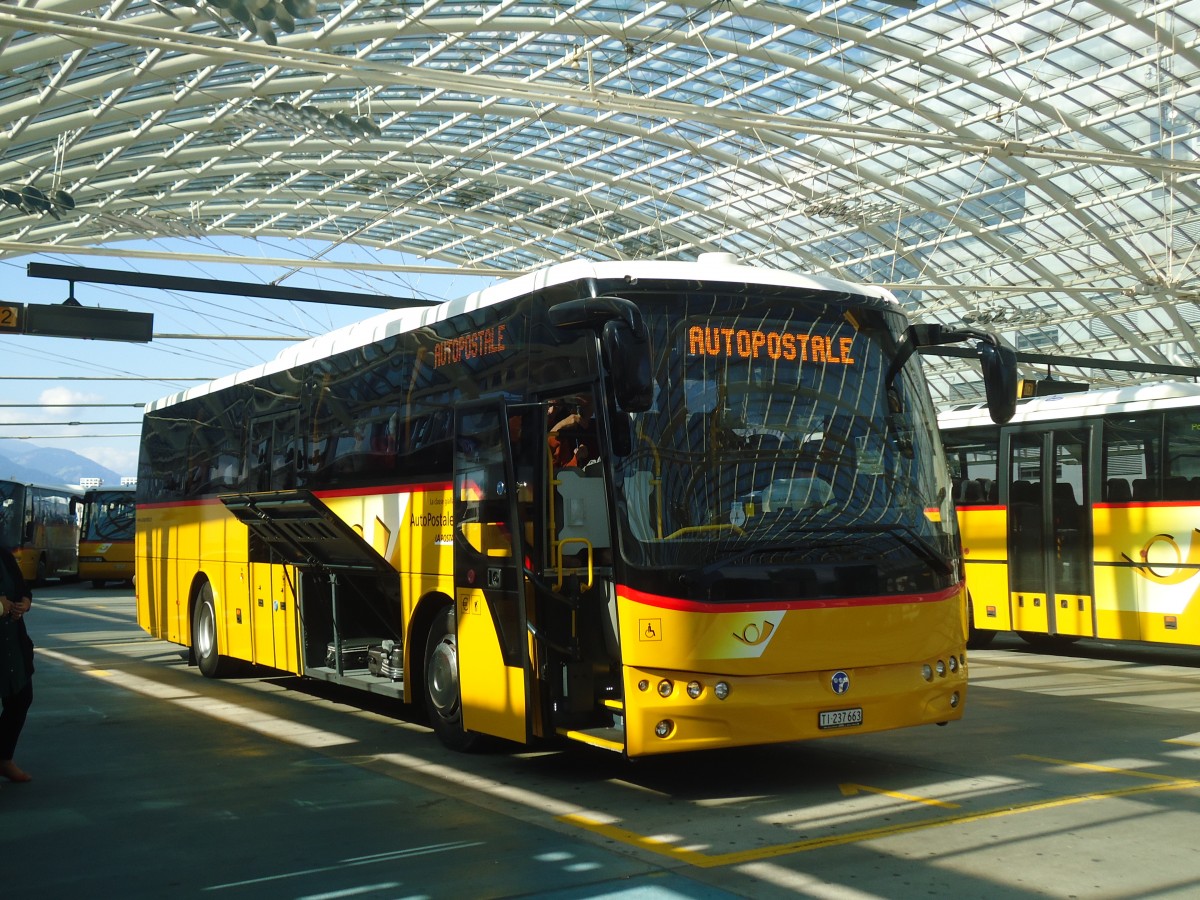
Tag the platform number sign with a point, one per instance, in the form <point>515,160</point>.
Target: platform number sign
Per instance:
<point>10,318</point>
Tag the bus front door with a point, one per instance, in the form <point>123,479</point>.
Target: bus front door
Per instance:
<point>1050,533</point>
<point>494,667</point>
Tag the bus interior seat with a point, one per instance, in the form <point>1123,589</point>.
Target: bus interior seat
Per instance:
<point>973,493</point>
<point>1143,489</point>
<point>1022,492</point>
<point>1064,496</point>
<point>1117,490</point>
<point>1176,487</point>
<point>993,491</point>
<point>986,486</point>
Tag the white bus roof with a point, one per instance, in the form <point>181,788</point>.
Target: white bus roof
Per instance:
<point>710,267</point>
<point>1129,399</point>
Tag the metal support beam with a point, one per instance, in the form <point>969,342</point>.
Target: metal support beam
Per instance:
<point>1074,362</point>
<point>89,275</point>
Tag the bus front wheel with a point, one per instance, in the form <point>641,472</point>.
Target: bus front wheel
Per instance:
<point>204,635</point>
<point>442,697</point>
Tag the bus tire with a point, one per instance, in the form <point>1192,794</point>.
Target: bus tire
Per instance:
<point>97,583</point>
<point>204,635</point>
<point>40,576</point>
<point>442,697</point>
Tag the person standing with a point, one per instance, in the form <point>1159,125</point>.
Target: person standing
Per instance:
<point>16,663</point>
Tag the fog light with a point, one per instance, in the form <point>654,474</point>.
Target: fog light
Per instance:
<point>643,685</point>
<point>954,700</point>
<point>665,687</point>
<point>721,689</point>
<point>927,672</point>
<point>694,689</point>
<point>664,728</point>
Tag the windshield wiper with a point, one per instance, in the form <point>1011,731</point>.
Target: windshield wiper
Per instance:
<point>910,538</point>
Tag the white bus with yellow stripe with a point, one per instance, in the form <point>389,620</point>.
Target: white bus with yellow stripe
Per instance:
<point>1078,517</point>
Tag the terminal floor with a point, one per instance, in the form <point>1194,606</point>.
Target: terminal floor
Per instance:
<point>1074,774</point>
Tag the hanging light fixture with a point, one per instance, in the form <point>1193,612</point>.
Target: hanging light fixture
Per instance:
<point>32,200</point>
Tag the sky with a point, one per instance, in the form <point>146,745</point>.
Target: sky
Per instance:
<point>37,374</point>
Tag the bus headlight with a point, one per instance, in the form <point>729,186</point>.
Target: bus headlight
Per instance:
<point>721,690</point>
<point>941,668</point>
<point>927,672</point>
<point>665,687</point>
<point>694,689</point>
<point>664,728</point>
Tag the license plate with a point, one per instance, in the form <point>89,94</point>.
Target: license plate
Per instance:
<point>840,718</point>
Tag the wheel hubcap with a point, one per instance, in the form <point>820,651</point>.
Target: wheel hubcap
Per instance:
<point>442,677</point>
<point>204,636</point>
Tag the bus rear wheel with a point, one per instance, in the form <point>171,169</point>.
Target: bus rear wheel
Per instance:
<point>204,635</point>
<point>442,698</point>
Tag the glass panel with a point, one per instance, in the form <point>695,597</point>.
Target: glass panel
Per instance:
<point>1132,449</point>
<point>1026,546</point>
<point>974,458</point>
<point>1071,513</point>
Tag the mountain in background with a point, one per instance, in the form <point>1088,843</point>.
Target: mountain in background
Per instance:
<point>22,461</point>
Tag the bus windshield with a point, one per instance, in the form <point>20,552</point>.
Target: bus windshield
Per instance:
<point>775,453</point>
<point>108,516</point>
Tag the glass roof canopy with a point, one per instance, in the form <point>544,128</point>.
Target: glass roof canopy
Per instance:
<point>1026,165</point>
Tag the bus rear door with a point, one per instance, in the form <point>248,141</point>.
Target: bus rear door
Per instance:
<point>1050,531</point>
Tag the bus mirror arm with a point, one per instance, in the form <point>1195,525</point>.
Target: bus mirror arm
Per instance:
<point>997,359</point>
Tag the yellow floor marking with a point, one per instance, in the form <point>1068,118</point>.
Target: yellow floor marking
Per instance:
<point>706,861</point>
<point>849,790</point>
<point>1096,767</point>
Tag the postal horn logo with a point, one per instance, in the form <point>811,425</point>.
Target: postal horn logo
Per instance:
<point>754,634</point>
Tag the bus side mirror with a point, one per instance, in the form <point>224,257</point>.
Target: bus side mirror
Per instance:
<point>997,359</point>
<point>627,356</point>
<point>999,365</point>
<point>624,344</point>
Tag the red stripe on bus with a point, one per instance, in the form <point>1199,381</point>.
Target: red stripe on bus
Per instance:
<point>984,506</point>
<point>681,605</point>
<point>1144,504</point>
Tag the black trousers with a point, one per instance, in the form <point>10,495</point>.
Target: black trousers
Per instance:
<point>12,719</point>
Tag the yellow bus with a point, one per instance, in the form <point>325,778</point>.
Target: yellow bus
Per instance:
<point>645,506</point>
<point>106,535</point>
<point>39,523</point>
<point>1078,516</point>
